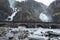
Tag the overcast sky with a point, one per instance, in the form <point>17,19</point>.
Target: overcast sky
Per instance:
<point>46,2</point>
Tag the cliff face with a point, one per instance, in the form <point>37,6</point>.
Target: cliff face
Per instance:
<point>55,10</point>
<point>5,9</point>
<point>4,5</point>
<point>30,10</point>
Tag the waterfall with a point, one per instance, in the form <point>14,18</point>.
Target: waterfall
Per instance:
<point>10,18</point>
<point>11,2</point>
<point>43,16</point>
<point>15,10</point>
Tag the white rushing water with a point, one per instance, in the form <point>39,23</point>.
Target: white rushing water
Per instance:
<point>10,18</point>
<point>11,2</point>
<point>44,17</point>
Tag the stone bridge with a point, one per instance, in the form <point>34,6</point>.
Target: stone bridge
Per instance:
<point>30,25</point>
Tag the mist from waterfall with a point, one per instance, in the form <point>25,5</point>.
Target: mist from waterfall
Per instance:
<point>11,2</point>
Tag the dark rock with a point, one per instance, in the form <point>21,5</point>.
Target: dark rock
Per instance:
<point>5,9</point>
<point>54,8</point>
<point>30,11</point>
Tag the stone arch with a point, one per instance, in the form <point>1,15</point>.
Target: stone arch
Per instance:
<point>25,25</point>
